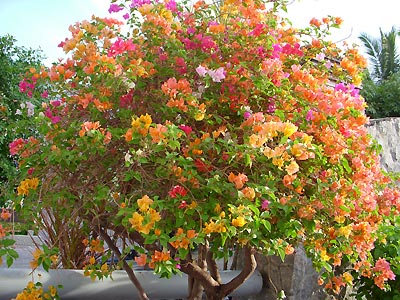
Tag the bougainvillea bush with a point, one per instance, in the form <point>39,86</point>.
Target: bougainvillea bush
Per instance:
<point>191,130</point>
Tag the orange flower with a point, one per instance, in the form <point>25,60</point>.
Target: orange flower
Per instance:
<point>239,180</point>
<point>317,23</point>
<point>96,246</point>
<point>157,133</point>
<point>5,215</point>
<point>87,126</point>
<point>289,249</point>
<point>249,193</point>
<point>160,256</point>
<point>141,260</point>
<point>292,168</point>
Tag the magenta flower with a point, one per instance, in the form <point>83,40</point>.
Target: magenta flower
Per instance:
<point>187,129</point>
<point>139,3</point>
<point>309,116</point>
<point>114,8</point>
<point>265,205</point>
<point>247,115</point>
<point>171,5</point>
<point>126,16</point>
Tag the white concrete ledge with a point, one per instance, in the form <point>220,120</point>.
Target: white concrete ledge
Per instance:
<point>77,287</point>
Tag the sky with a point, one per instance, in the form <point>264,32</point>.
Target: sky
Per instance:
<point>44,23</point>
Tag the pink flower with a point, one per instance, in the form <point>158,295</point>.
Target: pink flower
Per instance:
<point>217,75</point>
<point>202,71</point>
<point>16,145</point>
<point>139,3</point>
<point>320,56</point>
<point>126,16</point>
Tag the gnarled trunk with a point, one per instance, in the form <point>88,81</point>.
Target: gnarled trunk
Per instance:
<point>204,275</point>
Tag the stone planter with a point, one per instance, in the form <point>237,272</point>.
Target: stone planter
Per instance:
<point>76,286</point>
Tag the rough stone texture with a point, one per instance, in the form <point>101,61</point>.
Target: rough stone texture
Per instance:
<point>387,133</point>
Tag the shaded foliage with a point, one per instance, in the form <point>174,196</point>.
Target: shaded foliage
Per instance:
<point>15,61</point>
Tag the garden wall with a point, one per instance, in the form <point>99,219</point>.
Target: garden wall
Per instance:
<point>296,275</point>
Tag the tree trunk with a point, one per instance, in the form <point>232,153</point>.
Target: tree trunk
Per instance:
<point>214,289</point>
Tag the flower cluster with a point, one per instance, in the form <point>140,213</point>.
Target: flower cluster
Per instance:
<point>36,291</point>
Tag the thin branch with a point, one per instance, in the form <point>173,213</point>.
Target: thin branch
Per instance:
<point>127,268</point>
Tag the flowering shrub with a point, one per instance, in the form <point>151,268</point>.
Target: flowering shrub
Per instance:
<point>36,291</point>
<point>387,250</point>
<point>205,128</point>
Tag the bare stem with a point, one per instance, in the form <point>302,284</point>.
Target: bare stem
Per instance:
<point>127,268</point>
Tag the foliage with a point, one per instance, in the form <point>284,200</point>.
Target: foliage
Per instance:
<point>387,247</point>
<point>383,97</point>
<point>14,62</point>
<point>204,128</point>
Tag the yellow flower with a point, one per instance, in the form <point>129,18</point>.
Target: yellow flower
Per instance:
<point>289,129</point>
<point>324,256</point>
<point>218,208</point>
<point>340,219</point>
<point>154,216</point>
<point>53,291</point>
<point>104,267</point>
<point>347,277</point>
<point>199,116</point>
<point>92,260</point>
<point>345,231</point>
<point>26,185</point>
<point>136,220</point>
<point>239,222</point>
<point>144,203</point>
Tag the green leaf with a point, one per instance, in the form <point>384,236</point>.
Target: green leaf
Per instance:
<point>346,209</point>
<point>8,242</point>
<point>266,224</point>
<point>345,165</point>
<point>247,160</point>
<point>10,261</point>
<point>281,253</point>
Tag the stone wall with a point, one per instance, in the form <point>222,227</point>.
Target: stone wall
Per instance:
<point>387,133</point>
<point>296,276</point>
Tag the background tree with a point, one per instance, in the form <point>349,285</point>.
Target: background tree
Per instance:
<point>381,87</point>
<point>382,53</point>
<point>15,61</point>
